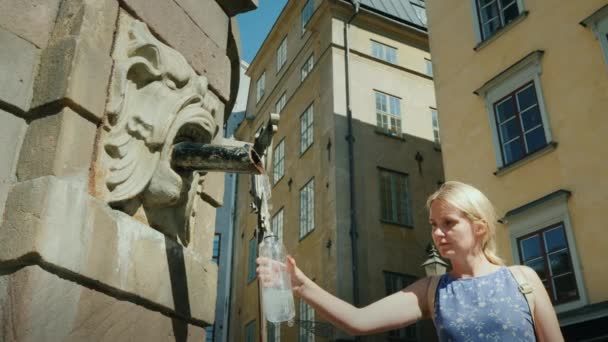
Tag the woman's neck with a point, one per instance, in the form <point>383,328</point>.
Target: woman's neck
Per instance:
<point>472,266</point>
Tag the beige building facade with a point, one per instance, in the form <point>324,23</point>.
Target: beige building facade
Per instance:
<point>522,95</point>
<point>300,72</point>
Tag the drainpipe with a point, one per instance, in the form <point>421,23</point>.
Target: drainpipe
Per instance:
<point>351,158</point>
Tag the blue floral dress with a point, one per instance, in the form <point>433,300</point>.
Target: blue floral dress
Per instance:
<point>485,308</point>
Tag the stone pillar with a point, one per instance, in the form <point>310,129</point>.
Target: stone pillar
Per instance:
<point>100,239</point>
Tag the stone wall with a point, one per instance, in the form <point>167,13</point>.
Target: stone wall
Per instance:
<point>99,238</point>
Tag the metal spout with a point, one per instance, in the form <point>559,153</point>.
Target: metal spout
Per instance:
<point>209,157</point>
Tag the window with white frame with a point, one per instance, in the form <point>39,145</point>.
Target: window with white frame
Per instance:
<point>395,198</point>
<point>250,332</point>
<point>307,208</point>
<point>282,54</point>
<point>542,238</point>
<point>273,332</point>
<point>215,256</point>
<point>278,108</point>
<point>306,13</point>
<point>435,122</point>
<point>307,314</point>
<point>395,282</point>
<point>388,113</point>
<point>307,68</point>
<point>209,331</point>
<point>429,67</point>
<point>492,15</point>
<point>306,128</point>
<point>277,224</point>
<point>278,162</point>
<point>516,111</point>
<point>260,87</point>
<point>598,22</point>
<point>384,52</point>
<point>253,254</point>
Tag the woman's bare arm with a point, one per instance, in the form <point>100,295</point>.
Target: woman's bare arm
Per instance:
<point>395,311</point>
<point>545,319</point>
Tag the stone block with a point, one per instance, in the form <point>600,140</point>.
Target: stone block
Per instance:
<point>61,144</point>
<point>12,132</point>
<point>40,306</point>
<point>173,25</point>
<point>32,20</point>
<point>75,67</point>
<point>95,244</point>
<point>18,64</point>
<point>210,18</point>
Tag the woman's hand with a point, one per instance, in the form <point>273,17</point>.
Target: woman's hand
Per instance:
<point>267,267</point>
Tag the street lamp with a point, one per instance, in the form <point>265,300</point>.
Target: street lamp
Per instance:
<point>434,265</point>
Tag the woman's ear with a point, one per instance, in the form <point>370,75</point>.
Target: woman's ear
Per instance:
<point>480,227</point>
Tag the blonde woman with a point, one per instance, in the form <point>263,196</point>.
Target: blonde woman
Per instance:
<point>479,299</point>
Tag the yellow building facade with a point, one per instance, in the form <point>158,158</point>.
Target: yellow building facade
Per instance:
<point>522,92</point>
<point>300,72</point>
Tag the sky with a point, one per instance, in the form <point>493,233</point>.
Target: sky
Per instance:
<point>255,25</point>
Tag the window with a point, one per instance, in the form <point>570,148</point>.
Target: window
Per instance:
<point>253,254</point>
<point>306,129</point>
<point>492,15</point>
<point>384,52</point>
<point>307,314</point>
<point>282,54</point>
<point>519,123</point>
<point>396,282</point>
<point>307,208</point>
<point>420,10</point>
<point>395,200</point>
<point>277,224</point>
<point>216,248</point>
<point>516,111</point>
<point>250,332</point>
<point>546,251</point>
<point>260,87</point>
<point>280,104</point>
<point>598,22</point>
<point>209,333</point>
<point>388,113</point>
<point>278,162</point>
<point>307,68</point>
<point>429,67</point>
<point>307,11</point>
<point>273,331</point>
<point>542,238</point>
<point>435,121</point>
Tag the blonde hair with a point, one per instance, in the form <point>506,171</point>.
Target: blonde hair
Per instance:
<point>475,206</point>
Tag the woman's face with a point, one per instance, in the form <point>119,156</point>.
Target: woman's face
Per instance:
<point>453,233</point>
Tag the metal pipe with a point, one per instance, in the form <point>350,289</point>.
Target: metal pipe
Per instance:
<point>210,157</point>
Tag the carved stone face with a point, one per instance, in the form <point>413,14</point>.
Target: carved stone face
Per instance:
<point>156,100</point>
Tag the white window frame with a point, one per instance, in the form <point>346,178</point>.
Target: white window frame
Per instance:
<point>477,22</point>
<point>278,162</point>
<point>598,22</point>
<point>282,54</point>
<point>388,113</point>
<point>276,224</point>
<point>307,208</point>
<point>306,13</point>
<point>429,67</point>
<point>260,87</point>
<point>545,214</point>
<point>253,254</point>
<point>524,71</point>
<point>278,108</point>
<point>383,52</point>
<point>307,313</point>
<point>307,67</point>
<point>306,129</point>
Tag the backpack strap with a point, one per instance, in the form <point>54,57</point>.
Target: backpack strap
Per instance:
<point>524,287</point>
<point>430,295</point>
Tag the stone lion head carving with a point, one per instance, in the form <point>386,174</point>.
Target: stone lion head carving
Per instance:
<point>156,100</point>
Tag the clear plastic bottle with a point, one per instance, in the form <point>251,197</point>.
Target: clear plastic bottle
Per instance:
<point>277,296</point>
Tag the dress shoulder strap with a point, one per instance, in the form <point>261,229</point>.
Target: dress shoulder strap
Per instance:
<point>524,287</point>
<point>430,294</point>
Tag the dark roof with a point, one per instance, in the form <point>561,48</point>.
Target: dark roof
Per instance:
<point>402,10</point>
